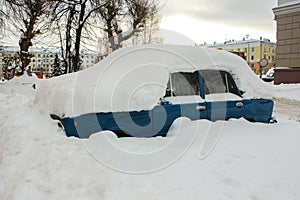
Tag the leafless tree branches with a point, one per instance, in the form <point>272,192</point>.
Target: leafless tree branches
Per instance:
<point>122,19</point>
<point>27,16</point>
<point>75,21</point>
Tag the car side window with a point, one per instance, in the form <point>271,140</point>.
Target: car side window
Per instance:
<point>218,82</point>
<point>183,84</point>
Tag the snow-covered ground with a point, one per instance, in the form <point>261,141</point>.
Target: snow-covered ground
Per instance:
<point>223,160</point>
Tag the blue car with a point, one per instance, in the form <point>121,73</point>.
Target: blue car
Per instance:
<point>160,83</point>
<point>181,100</point>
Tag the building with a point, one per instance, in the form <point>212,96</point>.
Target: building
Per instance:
<point>287,15</point>
<point>43,58</point>
<point>89,58</point>
<point>251,50</point>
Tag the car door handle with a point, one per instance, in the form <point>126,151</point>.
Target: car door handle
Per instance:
<point>201,108</point>
<point>239,104</point>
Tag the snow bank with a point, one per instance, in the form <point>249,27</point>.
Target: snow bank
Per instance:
<point>198,160</point>
<point>249,161</point>
<point>23,84</point>
<point>17,92</point>
<point>287,91</point>
<point>135,78</point>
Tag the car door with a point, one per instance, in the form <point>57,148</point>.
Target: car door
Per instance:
<point>258,110</point>
<point>222,97</point>
<point>182,99</point>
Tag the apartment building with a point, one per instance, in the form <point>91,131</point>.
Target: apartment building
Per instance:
<point>252,50</point>
<point>287,15</point>
<point>43,58</point>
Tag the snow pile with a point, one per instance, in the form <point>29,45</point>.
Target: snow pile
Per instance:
<point>55,94</point>
<point>288,91</point>
<point>239,160</point>
<point>16,93</point>
<point>198,160</point>
<point>135,78</point>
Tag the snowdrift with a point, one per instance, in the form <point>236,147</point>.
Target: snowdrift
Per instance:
<point>249,160</point>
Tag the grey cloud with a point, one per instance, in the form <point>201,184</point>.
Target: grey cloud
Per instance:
<point>244,13</point>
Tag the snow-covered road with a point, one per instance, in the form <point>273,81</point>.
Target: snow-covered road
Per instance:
<point>287,107</point>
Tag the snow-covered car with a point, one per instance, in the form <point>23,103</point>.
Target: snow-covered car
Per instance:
<point>269,76</point>
<point>140,91</point>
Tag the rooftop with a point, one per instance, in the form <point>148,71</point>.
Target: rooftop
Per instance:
<point>241,42</point>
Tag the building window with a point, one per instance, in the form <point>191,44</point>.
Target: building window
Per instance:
<point>252,49</point>
<point>252,57</point>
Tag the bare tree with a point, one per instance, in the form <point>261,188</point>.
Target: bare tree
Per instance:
<point>148,34</point>
<point>76,14</point>
<point>28,17</point>
<point>3,17</point>
<point>2,14</point>
<point>122,19</point>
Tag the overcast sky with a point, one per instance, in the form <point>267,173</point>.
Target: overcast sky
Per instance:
<point>217,20</point>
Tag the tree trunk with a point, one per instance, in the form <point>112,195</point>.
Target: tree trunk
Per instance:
<point>76,60</point>
<point>25,43</point>
<point>68,56</point>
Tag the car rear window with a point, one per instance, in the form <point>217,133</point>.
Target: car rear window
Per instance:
<point>183,84</point>
<point>218,82</point>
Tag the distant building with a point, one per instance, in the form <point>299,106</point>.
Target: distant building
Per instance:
<point>43,58</point>
<point>287,15</point>
<point>251,50</point>
<point>89,58</point>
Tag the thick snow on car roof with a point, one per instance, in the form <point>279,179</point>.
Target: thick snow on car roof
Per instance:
<point>135,78</point>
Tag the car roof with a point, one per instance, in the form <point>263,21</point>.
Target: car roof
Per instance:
<point>178,57</point>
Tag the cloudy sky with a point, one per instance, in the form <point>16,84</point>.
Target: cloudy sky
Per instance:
<point>217,20</point>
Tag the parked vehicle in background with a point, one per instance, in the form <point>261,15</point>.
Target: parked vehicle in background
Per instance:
<point>269,76</point>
